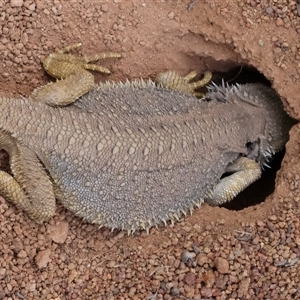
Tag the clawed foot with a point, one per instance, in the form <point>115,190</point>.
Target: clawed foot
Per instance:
<point>76,80</point>
<point>61,65</point>
<point>174,81</point>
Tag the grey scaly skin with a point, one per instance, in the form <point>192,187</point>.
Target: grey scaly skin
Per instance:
<point>134,155</point>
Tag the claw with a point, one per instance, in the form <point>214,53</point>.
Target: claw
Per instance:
<point>73,72</point>
<point>172,80</point>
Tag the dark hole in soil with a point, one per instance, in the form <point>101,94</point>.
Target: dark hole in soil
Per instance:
<point>240,74</point>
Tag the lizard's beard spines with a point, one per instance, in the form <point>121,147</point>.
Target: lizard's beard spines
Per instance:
<point>267,157</point>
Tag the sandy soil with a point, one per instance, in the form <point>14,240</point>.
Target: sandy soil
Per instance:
<point>216,253</point>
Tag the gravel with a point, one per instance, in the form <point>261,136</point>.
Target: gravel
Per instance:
<point>215,253</point>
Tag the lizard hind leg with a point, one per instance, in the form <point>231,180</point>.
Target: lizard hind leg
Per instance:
<point>30,188</point>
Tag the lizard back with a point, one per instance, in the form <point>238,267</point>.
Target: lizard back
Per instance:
<point>131,156</point>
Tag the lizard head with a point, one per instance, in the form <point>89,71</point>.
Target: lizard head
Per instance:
<point>277,122</point>
<point>275,133</point>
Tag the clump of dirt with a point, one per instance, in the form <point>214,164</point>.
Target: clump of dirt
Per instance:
<point>216,253</point>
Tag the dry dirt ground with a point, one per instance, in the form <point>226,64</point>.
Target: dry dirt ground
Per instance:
<point>216,253</point>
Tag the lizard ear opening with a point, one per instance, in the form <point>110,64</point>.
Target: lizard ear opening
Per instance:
<point>258,191</point>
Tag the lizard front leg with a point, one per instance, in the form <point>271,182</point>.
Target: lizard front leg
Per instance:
<point>73,78</point>
<point>30,188</point>
<point>245,172</point>
<point>173,81</point>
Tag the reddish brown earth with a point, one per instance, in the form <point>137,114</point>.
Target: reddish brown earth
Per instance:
<point>215,253</point>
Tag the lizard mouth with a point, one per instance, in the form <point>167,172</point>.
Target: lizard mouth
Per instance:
<point>255,153</point>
